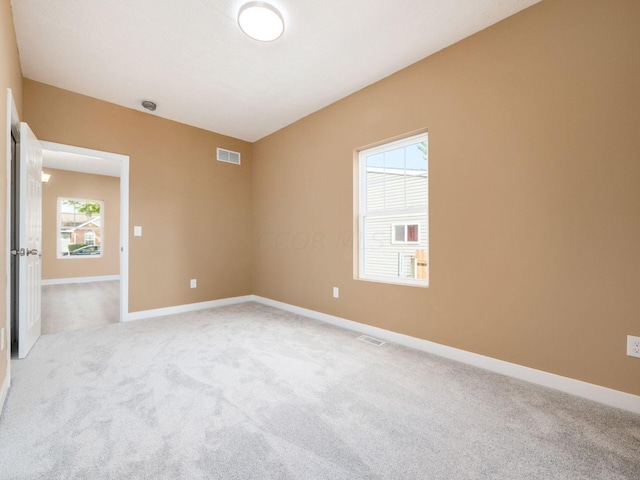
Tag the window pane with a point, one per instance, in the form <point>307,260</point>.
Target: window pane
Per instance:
<point>383,257</point>
<point>79,227</point>
<point>375,189</point>
<point>394,218</point>
<point>394,160</point>
<point>412,233</point>
<point>399,233</point>
<point>417,157</point>
<point>397,178</point>
<point>394,179</point>
<point>375,161</point>
<point>394,189</point>
<point>417,185</point>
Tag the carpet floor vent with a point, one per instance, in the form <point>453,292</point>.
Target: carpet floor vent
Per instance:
<point>371,340</point>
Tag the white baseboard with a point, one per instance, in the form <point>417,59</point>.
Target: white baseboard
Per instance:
<point>607,396</point>
<point>60,281</point>
<point>4,390</point>
<point>191,307</point>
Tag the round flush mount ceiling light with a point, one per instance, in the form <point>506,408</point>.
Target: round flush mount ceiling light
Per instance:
<point>149,105</point>
<point>260,21</point>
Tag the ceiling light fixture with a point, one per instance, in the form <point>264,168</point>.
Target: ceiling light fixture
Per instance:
<point>149,105</point>
<point>260,21</point>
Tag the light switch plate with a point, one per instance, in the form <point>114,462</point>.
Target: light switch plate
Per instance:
<point>137,231</point>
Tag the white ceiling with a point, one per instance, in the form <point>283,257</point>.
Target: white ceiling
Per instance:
<point>190,57</point>
<point>80,163</point>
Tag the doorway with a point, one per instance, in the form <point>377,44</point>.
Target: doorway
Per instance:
<point>80,242</point>
<point>74,293</point>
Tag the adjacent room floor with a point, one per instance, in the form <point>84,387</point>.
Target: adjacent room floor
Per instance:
<point>252,392</point>
<point>72,306</point>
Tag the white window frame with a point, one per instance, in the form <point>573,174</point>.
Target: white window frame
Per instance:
<point>59,254</point>
<point>362,212</point>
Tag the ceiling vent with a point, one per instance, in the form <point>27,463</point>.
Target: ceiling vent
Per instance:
<point>228,156</point>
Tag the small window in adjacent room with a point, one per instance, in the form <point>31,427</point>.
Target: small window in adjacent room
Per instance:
<point>405,233</point>
<point>90,237</point>
<point>393,212</point>
<point>80,228</point>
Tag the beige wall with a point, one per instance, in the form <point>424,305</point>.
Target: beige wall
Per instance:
<point>90,187</point>
<point>534,195</point>
<point>10,77</point>
<point>194,211</point>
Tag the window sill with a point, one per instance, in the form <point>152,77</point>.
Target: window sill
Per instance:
<point>406,282</point>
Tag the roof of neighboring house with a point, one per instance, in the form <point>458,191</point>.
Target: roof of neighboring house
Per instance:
<point>95,221</point>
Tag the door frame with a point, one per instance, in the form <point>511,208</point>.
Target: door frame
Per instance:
<point>124,211</point>
<point>13,125</point>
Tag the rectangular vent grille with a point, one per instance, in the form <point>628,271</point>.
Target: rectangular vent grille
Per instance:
<point>228,156</point>
<point>371,340</point>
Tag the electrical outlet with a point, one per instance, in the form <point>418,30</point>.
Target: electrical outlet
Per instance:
<point>633,346</point>
<point>194,283</point>
<point>336,292</point>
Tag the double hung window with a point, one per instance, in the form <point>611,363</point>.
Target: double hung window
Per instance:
<point>394,212</point>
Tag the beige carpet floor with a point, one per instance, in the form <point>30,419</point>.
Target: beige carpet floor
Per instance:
<point>72,306</point>
<point>252,392</point>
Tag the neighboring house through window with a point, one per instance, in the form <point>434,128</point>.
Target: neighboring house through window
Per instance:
<point>393,212</point>
<point>80,230</point>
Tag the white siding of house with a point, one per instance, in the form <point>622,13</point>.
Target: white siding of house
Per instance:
<point>387,191</point>
<point>381,257</point>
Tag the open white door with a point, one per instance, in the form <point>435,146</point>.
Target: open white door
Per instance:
<point>29,241</point>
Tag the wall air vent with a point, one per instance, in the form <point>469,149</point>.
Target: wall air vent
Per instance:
<point>228,156</point>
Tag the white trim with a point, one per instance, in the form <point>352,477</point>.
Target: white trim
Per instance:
<point>4,391</point>
<point>596,393</point>
<point>190,307</point>
<point>406,281</point>
<point>124,212</point>
<point>86,152</point>
<point>13,123</point>
<point>61,281</point>
<point>124,238</point>
<point>401,142</point>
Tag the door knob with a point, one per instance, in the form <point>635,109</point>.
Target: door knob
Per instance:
<point>33,251</point>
